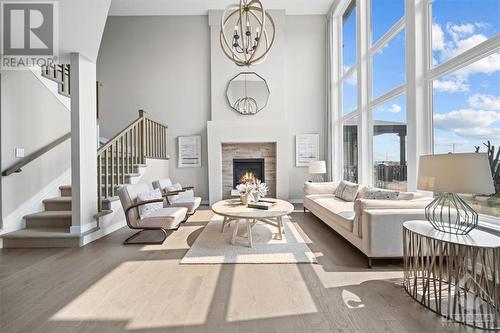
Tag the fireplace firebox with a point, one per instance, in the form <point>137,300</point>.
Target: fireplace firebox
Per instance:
<point>247,170</point>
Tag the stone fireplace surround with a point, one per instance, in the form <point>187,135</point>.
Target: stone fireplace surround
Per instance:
<point>250,150</point>
<point>252,131</point>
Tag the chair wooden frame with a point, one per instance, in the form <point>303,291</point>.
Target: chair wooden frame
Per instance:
<point>166,194</point>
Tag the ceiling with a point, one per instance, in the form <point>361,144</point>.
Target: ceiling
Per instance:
<point>201,7</point>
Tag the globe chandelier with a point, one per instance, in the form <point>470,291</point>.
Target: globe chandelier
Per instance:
<point>249,42</point>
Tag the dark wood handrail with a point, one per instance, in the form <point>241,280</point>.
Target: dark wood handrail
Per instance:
<point>30,158</point>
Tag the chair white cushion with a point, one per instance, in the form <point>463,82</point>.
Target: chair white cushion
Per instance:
<point>171,188</point>
<point>147,209</point>
<point>191,204</point>
<point>166,218</point>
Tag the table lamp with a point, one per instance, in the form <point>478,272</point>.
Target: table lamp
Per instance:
<point>447,175</point>
<point>317,168</point>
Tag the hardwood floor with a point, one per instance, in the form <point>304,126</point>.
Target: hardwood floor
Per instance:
<point>108,287</point>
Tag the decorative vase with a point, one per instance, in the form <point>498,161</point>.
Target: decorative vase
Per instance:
<point>256,196</point>
<point>244,198</point>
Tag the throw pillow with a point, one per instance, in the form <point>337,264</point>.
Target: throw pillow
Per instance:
<point>175,187</point>
<point>340,189</point>
<point>380,194</point>
<point>147,209</point>
<point>350,191</point>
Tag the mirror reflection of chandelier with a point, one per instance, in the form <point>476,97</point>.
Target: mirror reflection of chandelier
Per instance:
<point>246,105</point>
<point>247,26</point>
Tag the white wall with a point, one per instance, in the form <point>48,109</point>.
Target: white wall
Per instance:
<point>306,88</point>
<point>163,64</point>
<point>32,117</point>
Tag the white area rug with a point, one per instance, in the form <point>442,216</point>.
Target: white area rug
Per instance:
<point>214,247</point>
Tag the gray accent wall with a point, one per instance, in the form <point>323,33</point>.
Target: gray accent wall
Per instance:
<point>160,64</point>
<point>32,117</point>
<point>163,65</point>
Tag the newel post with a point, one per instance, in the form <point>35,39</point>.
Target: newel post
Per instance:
<point>142,115</point>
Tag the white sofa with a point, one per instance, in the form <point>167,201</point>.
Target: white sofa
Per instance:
<point>375,227</point>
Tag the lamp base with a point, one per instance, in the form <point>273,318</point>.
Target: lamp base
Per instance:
<point>318,179</point>
<point>449,213</point>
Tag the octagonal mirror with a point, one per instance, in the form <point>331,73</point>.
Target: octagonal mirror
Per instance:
<point>247,93</point>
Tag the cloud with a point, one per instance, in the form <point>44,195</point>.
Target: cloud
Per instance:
<point>451,85</point>
<point>394,108</point>
<point>437,37</point>
<point>469,123</point>
<point>479,132</point>
<point>485,102</point>
<point>462,37</point>
<point>458,31</point>
<point>352,79</point>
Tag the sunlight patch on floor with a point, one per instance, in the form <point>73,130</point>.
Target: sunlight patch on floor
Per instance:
<point>146,292</point>
<point>258,292</point>
<point>349,278</point>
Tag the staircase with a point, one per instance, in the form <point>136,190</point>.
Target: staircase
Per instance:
<point>59,73</point>
<point>120,161</point>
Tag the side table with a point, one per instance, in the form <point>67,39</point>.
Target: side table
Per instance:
<point>456,276</point>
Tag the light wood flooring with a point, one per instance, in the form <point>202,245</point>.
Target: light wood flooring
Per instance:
<point>108,287</point>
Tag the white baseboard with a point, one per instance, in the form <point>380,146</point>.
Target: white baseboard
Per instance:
<point>296,201</point>
<point>80,229</point>
<point>15,220</point>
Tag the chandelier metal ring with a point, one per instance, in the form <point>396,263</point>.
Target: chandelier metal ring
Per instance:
<point>253,48</point>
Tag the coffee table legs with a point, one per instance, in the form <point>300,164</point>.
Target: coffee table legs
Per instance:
<point>250,224</point>
<point>249,231</point>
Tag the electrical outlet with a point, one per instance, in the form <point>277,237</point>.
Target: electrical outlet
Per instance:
<point>19,152</point>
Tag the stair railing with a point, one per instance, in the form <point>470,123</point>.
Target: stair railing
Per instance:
<point>59,73</point>
<point>120,156</point>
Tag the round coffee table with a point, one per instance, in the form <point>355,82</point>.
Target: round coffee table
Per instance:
<point>234,211</point>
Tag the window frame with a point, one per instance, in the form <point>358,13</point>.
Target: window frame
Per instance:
<point>417,22</point>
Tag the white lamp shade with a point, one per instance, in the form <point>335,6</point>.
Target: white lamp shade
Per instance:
<point>317,167</point>
<point>456,173</point>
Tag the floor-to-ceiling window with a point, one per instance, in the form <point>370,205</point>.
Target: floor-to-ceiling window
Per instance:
<point>446,98</point>
<point>349,96</point>
<point>465,80</point>
<point>387,105</point>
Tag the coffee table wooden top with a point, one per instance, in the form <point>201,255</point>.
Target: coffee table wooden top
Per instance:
<point>235,209</point>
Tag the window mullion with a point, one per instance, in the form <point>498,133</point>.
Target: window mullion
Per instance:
<point>365,132</point>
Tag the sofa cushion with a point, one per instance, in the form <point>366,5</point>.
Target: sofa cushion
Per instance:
<point>350,191</point>
<point>340,189</point>
<point>379,194</point>
<point>338,210</point>
<point>320,188</point>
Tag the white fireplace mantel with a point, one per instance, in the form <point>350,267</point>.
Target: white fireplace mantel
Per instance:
<point>219,132</point>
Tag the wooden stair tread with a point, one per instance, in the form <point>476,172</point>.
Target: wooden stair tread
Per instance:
<point>41,233</point>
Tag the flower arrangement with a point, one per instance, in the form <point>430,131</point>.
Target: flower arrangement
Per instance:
<point>252,191</point>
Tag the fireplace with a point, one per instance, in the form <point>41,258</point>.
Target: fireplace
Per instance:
<point>247,170</point>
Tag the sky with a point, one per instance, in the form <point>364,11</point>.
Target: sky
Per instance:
<point>466,103</point>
